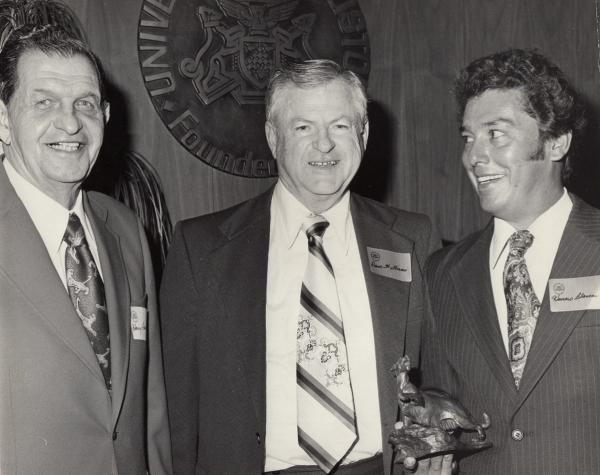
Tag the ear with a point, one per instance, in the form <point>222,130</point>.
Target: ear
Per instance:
<point>557,148</point>
<point>271,133</point>
<point>4,124</point>
<point>106,112</point>
<point>365,133</point>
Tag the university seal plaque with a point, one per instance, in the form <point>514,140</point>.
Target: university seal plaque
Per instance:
<point>206,64</point>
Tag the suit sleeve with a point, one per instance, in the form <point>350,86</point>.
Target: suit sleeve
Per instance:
<point>436,372</point>
<point>427,241</point>
<point>178,297</point>
<point>158,439</point>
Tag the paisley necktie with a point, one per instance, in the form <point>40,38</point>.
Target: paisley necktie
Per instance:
<point>87,293</point>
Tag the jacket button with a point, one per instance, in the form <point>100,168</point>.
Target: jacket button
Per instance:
<point>114,435</point>
<point>517,435</point>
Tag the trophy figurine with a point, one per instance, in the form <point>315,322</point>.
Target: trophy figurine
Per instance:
<point>431,421</point>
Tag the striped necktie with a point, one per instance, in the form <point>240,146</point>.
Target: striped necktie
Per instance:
<point>326,417</point>
<point>522,305</point>
<point>86,290</point>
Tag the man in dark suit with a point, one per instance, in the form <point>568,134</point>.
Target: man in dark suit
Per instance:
<point>516,321</point>
<point>242,322</point>
<point>81,380</point>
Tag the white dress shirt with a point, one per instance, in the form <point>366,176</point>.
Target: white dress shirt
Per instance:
<point>547,231</point>
<point>288,255</point>
<point>50,219</point>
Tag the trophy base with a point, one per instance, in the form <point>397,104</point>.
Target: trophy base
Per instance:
<point>418,441</point>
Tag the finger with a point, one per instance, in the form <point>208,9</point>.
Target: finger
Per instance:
<point>423,467</point>
<point>436,464</point>
<point>448,465</point>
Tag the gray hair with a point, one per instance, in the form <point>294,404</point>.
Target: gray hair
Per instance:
<point>312,73</point>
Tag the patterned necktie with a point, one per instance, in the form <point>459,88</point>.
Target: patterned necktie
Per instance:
<point>326,418</point>
<point>523,306</point>
<point>87,293</point>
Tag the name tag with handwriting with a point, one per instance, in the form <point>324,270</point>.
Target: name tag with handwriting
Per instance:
<point>576,293</point>
<point>395,265</point>
<point>139,317</point>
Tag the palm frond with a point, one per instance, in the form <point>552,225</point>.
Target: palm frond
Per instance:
<point>138,187</point>
<point>17,13</point>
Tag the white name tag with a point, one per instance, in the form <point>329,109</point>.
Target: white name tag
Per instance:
<point>395,265</point>
<point>139,317</point>
<point>577,293</point>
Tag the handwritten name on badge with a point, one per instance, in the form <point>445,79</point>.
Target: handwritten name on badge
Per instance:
<point>395,265</point>
<point>139,317</point>
<point>577,293</point>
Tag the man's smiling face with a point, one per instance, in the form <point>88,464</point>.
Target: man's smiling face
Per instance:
<point>511,169</point>
<point>318,139</point>
<point>53,125</point>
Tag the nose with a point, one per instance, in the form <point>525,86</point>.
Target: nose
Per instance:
<point>476,152</point>
<point>68,120</point>
<point>323,142</point>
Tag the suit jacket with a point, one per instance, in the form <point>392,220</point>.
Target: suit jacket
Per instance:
<point>56,415</point>
<point>550,424</point>
<point>213,301</point>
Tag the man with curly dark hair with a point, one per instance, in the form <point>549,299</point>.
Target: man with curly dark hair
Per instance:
<point>515,327</point>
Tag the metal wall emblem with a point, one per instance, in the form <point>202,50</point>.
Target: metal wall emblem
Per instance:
<point>206,64</point>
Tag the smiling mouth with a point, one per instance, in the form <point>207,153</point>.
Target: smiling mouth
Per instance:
<point>326,164</point>
<point>482,180</point>
<point>65,146</point>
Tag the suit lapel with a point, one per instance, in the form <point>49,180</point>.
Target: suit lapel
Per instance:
<point>578,256</point>
<point>244,291</point>
<point>116,288</point>
<point>388,301</point>
<point>471,279</point>
<point>26,262</point>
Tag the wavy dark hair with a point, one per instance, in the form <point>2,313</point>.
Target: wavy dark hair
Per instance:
<point>547,95</point>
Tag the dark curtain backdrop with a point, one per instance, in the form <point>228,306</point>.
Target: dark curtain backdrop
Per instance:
<point>413,157</point>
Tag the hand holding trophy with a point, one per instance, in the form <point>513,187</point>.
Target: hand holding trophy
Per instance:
<point>431,421</point>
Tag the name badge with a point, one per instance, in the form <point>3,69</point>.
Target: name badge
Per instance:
<point>139,317</point>
<point>395,265</point>
<point>577,293</point>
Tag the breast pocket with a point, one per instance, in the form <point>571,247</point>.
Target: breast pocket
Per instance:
<point>590,318</point>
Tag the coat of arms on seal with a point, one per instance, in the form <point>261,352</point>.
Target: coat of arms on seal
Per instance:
<point>206,65</point>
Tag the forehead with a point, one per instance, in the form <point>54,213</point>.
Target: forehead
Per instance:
<point>496,105</point>
<point>333,99</point>
<point>38,70</point>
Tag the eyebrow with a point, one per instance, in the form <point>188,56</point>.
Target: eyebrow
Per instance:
<point>336,119</point>
<point>491,123</point>
<point>86,93</point>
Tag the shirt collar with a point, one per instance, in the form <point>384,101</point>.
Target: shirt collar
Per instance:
<point>544,225</point>
<point>49,216</point>
<point>293,213</point>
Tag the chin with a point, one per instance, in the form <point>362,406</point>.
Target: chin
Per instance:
<point>330,191</point>
<point>488,207</point>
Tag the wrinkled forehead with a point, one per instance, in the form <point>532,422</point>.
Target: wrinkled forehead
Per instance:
<point>289,98</point>
<point>39,70</point>
<point>495,99</point>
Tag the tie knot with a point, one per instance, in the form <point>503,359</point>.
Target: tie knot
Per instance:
<point>74,235</point>
<point>520,240</point>
<point>315,226</point>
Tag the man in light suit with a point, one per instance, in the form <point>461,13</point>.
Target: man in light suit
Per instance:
<point>516,310</point>
<point>81,388</point>
<point>231,291</point>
